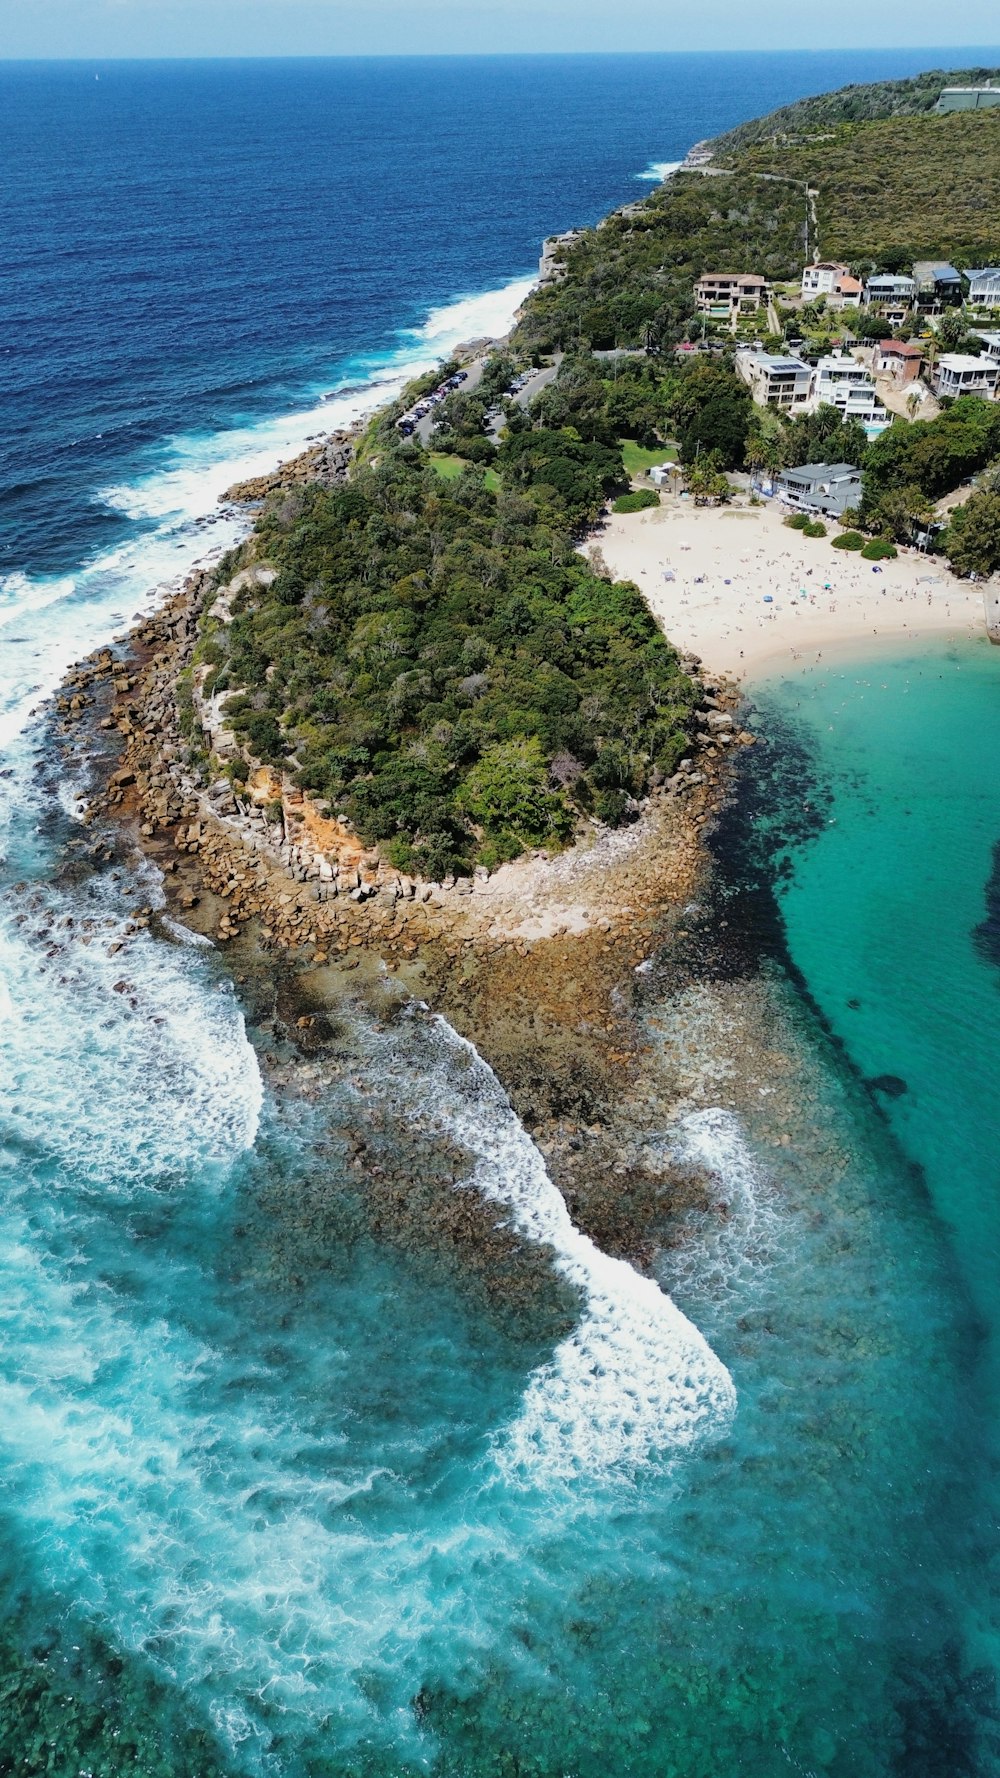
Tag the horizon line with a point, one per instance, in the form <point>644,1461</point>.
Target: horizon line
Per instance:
<point>442,55</point>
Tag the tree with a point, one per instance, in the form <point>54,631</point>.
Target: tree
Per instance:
<point>720,426</point>
<point>972,540</point>
<point>951,330</point>
<point>899,512</point>
<point>705,481</point>
<point>507,792</point>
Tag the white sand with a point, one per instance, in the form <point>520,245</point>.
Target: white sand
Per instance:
<point>725,560</point>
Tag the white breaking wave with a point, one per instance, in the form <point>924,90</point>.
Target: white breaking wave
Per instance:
<point>635,1380</point>
<point>729,1248</point>
<point>123,1065</point>
<point>474,317</point>
<point>657,171</point>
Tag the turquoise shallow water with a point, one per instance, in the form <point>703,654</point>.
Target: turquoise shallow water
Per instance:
<point>283,1495</point>
<point>883,908</point>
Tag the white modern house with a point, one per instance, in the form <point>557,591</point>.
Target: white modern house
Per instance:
<point>959,373</point>
<point>784,382</point>
<point>843,383</point>
<point>968,98</point>
<point>991,347</point>
<point>984,287</point>
<point>822,279</point>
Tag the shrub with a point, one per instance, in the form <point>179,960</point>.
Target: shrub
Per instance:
<point>637,501</point>
<point>614,807</point>
<point>849,540</point>
<point>815,529</point>
<point>879,549</point>
<point>797,521</point>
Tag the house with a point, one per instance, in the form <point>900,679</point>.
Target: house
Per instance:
<point>939,285</point>
<point>899,359</point>
<point>958,373</point>
<point>728,294</point>
<point>821,487</point>
<point>889,289</point>
<point>968,98</point>
<point>821,279</point>
<point>775,381</point>
<point>843,383</point>
<point>832,281</point>
<point>991,347</point>
<point>846,293</point>
<point>984,287</point>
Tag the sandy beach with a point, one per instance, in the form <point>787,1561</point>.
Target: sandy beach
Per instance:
<point>751,597</point>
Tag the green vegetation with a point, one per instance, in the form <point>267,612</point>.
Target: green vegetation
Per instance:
<point>878,549</point>
<point>629,281</point>
<point>437,662</point>
<point>435,659</point>
<point>449,468</point>
<point>900,189</point>
<point>972,540</point>
<point>796,521</point>
<point>637,501</point>
<point>638,459</point>
<point>908,467</point>
<point>852,104</point>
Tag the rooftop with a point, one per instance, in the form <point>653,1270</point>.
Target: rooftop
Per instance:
<point>902,348</point>
<point>825,472</point>
<point>743,277</point>
<point>775,361</point>
<point>959,361</point>
<point>934,268</point>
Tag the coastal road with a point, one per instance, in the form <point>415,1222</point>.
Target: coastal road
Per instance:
<point>536,381</point>
<point>424,427</point>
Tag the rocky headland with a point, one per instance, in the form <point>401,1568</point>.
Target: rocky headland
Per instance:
<point>539,964</point>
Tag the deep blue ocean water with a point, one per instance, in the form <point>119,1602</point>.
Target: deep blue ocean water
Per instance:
<point>265,1474</point>
<point>189,249</point>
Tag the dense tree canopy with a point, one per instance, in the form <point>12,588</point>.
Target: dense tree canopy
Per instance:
<point>439,663</point>
<point>972,540</point>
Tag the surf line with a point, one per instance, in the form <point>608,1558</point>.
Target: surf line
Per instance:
<point>635,1382</point>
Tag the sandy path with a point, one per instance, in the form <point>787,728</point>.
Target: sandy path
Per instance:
<point>748,595</point>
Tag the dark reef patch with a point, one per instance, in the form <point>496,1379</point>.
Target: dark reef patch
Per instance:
<point>892,1085</point>
<point>986,936</point>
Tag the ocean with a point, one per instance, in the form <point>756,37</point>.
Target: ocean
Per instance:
<point>282,1495</point>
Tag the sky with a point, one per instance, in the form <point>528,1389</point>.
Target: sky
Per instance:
<point>110,28</point>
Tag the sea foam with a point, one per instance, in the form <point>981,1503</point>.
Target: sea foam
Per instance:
<point>657,171</point>
<point>635,1381</point>
<point>124,1066</point>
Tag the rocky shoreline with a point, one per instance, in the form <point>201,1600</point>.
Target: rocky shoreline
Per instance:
<point>325,464</point>
<point>539,966</point>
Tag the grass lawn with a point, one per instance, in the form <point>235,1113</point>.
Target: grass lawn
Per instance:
<point>450,468</point>
<point>637,459</point>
